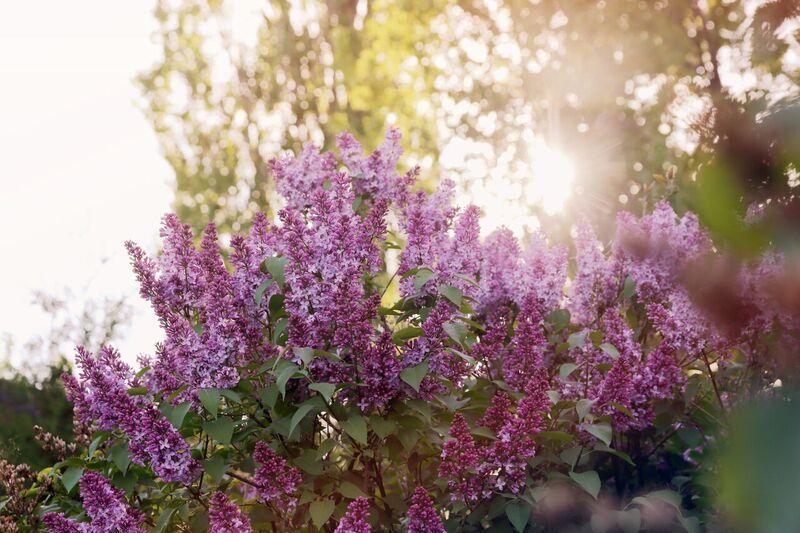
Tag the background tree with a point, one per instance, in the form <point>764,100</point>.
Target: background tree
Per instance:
<point>644,91</point>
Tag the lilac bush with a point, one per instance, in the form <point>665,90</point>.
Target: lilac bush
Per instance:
<point>486,383</point>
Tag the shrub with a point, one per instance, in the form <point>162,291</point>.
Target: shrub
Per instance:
<point>306,382</point>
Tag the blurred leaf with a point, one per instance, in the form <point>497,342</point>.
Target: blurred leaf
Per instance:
<point>518,514</point>
<point>321,511</point>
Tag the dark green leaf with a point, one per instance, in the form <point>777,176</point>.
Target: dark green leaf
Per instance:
<point>177,413</point>
<point>350,490</point>
<point>210,400</point>
<point>137,391</point>
<point>588,481</point>
<point>455,331</point>
<point>325,389</point>
<point>601,431</point>
<point>414,375</point>
<point>259,294</point>
<point>452,293</point>
<point>276,268</point>
<point>284,376</point>
<point>215,467</point>
<point>518,514</point>
<point>406,334</point>
<point>221,429</point>
<point>356,427</point>
<point>299,415</point>
<point>70,477</point>
<point>120,456</point>
<point>321,511</point>
<point>610,349</point>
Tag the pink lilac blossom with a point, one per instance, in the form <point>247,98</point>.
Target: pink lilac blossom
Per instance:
<point>297,179</point>
<point>329,250</point>
<point>426,220</point>
<point>224,516</point>
<point>379,371</point>
<point>654,249</point>
<point>498,277</point>
<point>542,274</point>
<point>278,483</point>
<point>596,281</point>
<point>356,519</point>
<point>459,264</point>
<point>375,175</point>
<point>422,516</point>
<point>527,349</point>
<point>101,396</point>
<point>105,505</point>
<point>459,460</point>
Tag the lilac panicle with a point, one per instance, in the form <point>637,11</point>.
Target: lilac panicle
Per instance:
<point>103,398</point>
<point>224,516</point>
<point>460,457</point>
<point>298,179</point>
<point>277,482</point>
<point>526,352</point>
<point>105,505</point>
<point>375,175</point>
<point>379,369</point>
<point>422,516</point>
<point>356,519</point>
<point>499,269</point>
<point>595,283</point>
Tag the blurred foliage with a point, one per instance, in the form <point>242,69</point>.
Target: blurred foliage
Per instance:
<point>31,392</point>
<point>639,94</point>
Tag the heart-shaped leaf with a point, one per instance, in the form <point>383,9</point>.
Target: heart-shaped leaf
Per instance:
<point>414,375</point>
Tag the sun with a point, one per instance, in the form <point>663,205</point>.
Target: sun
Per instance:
<point>552,177</point>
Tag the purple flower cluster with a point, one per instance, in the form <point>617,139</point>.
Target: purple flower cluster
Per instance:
<point>356,519</point>
<point>277,483</point>
<point>101,396</point>
<point>422,516</point>
<point>224,516</point>
<point>106,507</point>
<point>475,471</point>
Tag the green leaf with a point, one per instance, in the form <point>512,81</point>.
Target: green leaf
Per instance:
<point>221,429</point>
<point>259,294</point>
<point>276,267</point>
<point>137,391</point>
<point>299,415</point>
<point>559,318</point>
<point>555,436</point>
<point>622,455</point>
<point>630,521</point>
<point>455,331</point>
<point>601,431</point>
<point>610,349</point>
<point>350,490</point>
<point>120,456</point>
<point>452,293</point>
<point>177,413</point>
<point>284,376</point>
<point>356,427</point>
<point>405,334</point>
<point>325,389</point>
<point>163,519</point>
<point>321,511</point>
<point>483,432</point>
<point>70,477</point>
<point>622,409</point>
<point>382,427</point>
<point>306,355</point>
<point>576,340</point>
<point>583,407</point>
<point>588,481</point>
<point>96,443</point>
<point>231,395</point>
<point>566,369</point>
<point>414,375</point>
<point>215,467</point>
<point>518,514</point>
<point>629,288</point>
<point>423,275</point>
<point>210,400</point>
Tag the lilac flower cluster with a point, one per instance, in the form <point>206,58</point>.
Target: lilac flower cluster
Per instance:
<point>101,396</point>
<point>277,483</point>
<point>475,471</point>
<point>224,516</point>
<point>422,516</point>
<point>356,519</point>
<point>106,507</point>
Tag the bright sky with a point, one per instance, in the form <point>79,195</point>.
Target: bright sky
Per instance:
<point>81,170</point>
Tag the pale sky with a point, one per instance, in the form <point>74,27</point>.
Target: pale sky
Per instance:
<point>80,167</point>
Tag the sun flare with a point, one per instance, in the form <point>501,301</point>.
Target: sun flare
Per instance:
<point>552,177</point>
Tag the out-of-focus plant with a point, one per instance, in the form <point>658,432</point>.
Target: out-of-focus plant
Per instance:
<point>32,398</point>
<point>506,387</point>
<point>639,94</point>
